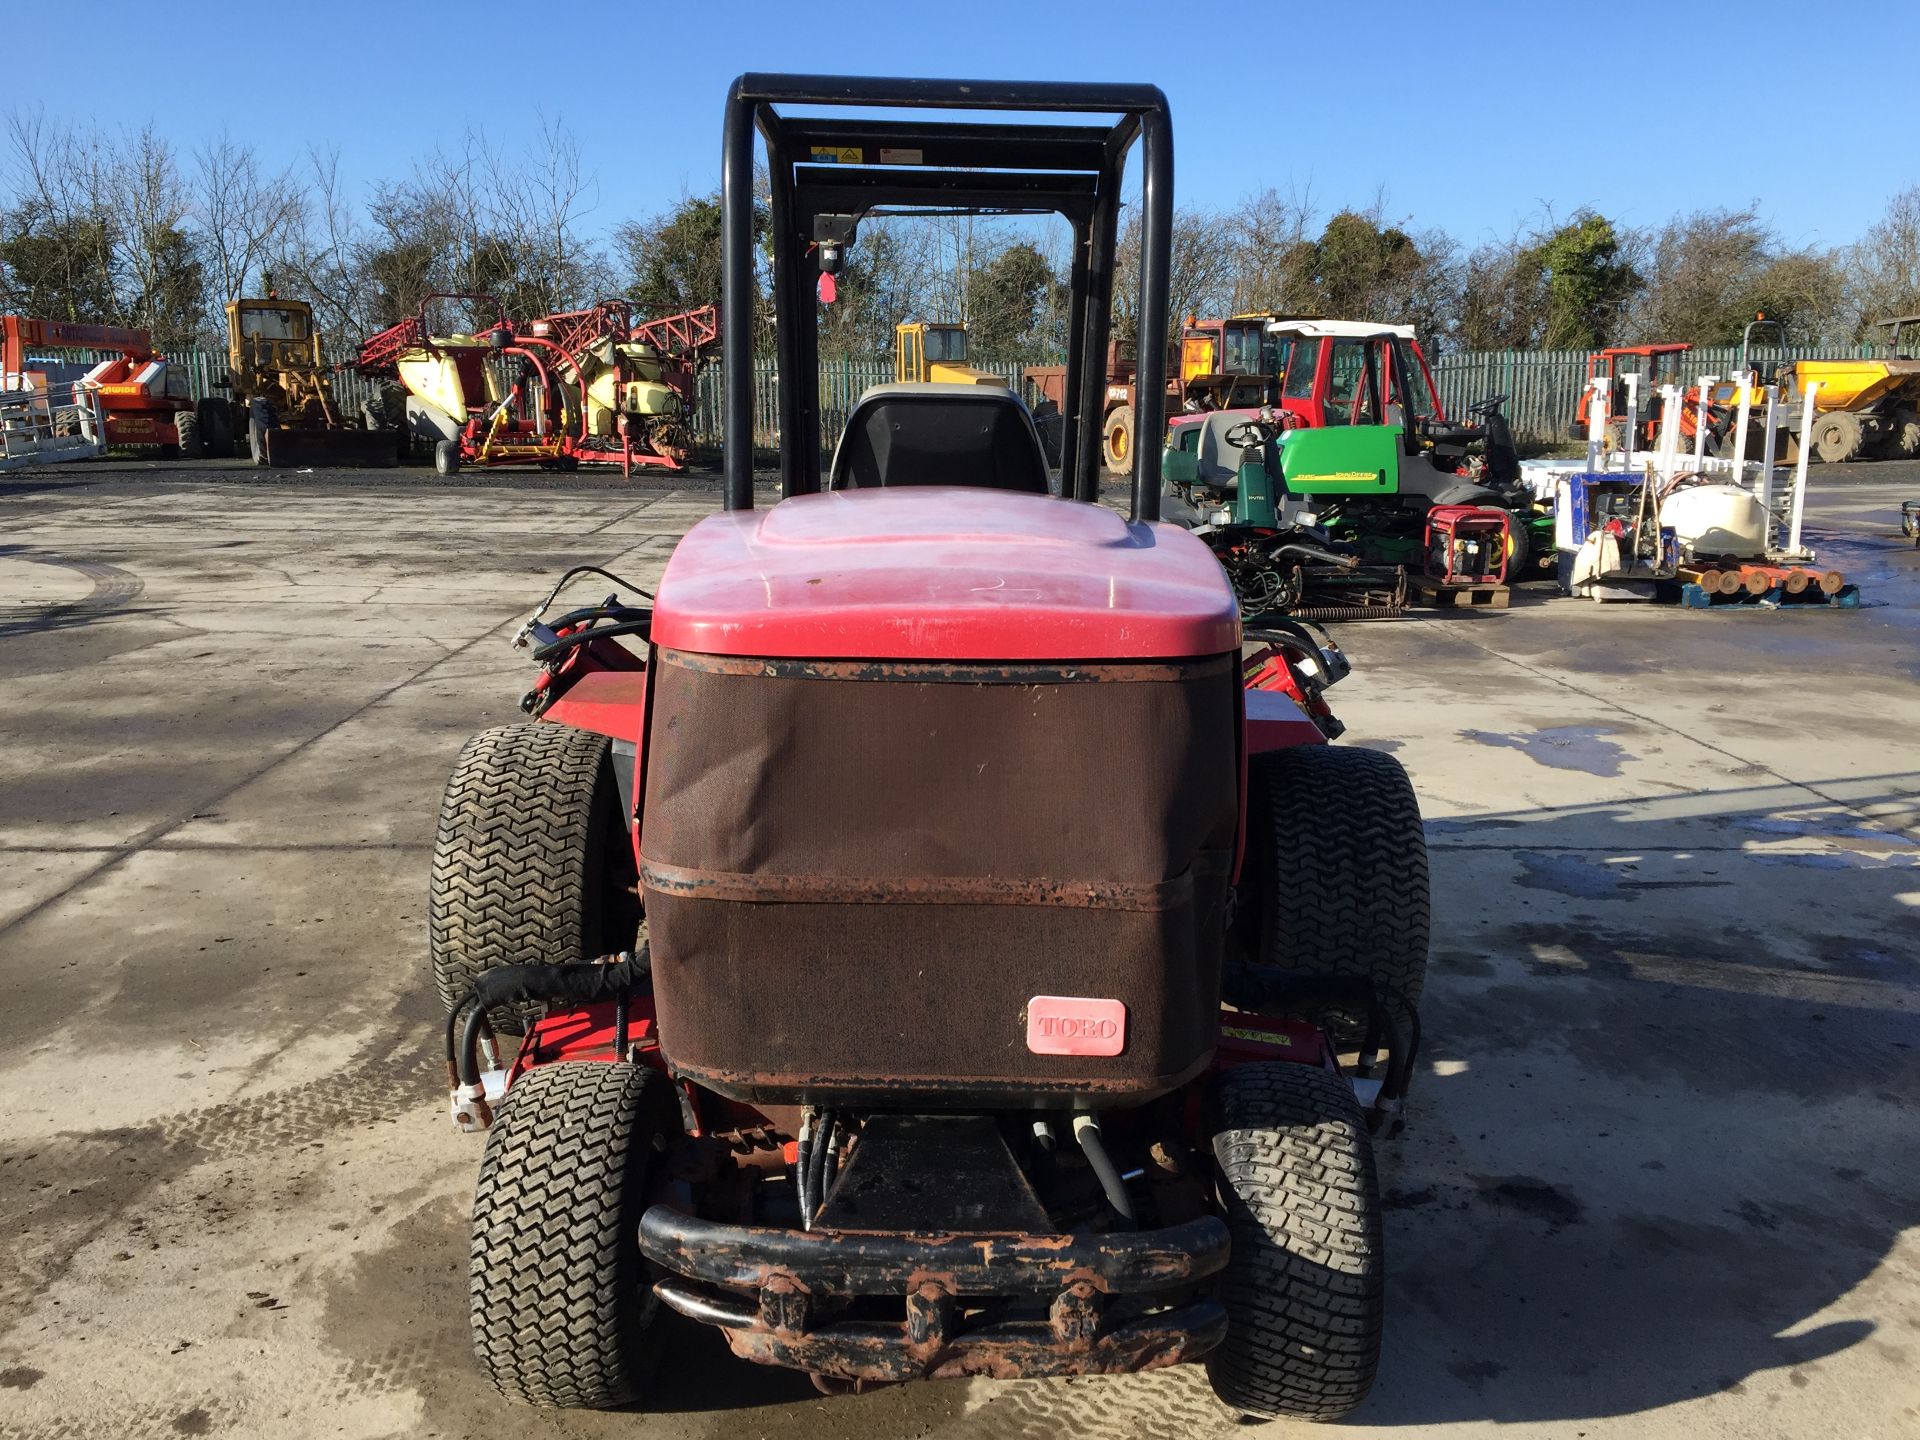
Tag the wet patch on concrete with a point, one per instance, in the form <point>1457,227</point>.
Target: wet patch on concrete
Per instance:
<point>1567,875</point>
<point>20,1377</point>
<point>1462,962</point>
<point>1531,1197</point>
<point>1476,1373</point>
<point>1440,829</point>
<point>1585,748</point>
<point>1835,859</point>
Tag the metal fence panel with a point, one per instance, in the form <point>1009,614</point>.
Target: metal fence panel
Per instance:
<point>1543,386</point>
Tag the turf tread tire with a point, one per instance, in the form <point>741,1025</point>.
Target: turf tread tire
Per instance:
<point>1305,1288</point>
<point>557,1301</point>
<point>530,860</point>
<point>1337,832</point>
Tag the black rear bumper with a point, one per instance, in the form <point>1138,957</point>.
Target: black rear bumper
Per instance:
<point>1006,1305</point>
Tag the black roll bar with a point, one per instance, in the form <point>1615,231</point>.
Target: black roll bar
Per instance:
<point>819,166</point>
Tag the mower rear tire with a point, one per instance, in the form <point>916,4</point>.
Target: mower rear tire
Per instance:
<point>556,1289</point>
<point>186,424</point>
<point>531,862</point>
<point>446,458</point>
<point>1305,1287</point>
<point>1335,876</point>
<point>1117,440</point>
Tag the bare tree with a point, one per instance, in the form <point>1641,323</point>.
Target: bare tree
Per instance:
<point>244,216</point>
<point>1882,272</point>
<point>1269,232</point>
<point>1200,270</point>
<point>318,260</point>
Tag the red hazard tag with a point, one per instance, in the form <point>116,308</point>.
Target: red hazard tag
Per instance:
<point>827,288</point>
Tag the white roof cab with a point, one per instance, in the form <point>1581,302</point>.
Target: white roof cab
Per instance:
<point>1360,328</point>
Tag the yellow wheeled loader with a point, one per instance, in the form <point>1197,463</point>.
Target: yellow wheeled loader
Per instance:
<point>280,403</point>
<point>936,354</point>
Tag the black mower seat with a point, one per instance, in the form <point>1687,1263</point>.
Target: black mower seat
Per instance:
<point>976,435</point>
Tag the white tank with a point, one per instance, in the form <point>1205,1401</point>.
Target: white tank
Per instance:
<point>1712,520</point>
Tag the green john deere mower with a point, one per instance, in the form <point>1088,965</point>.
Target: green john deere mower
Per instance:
<point>1327,523</point>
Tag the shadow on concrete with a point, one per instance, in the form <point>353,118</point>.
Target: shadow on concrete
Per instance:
<point>1672,1118</point>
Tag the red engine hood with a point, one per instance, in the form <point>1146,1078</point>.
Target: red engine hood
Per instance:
<point>942,573</point>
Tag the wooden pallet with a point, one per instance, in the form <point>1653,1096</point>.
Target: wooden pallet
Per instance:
<point>1462,597</point>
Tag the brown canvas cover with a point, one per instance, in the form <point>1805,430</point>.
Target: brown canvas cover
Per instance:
<point>858,873</point>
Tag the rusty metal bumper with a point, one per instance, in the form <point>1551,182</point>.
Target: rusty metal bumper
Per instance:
<point>895,1306</point>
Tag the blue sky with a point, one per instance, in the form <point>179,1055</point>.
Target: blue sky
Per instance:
<point>1471,116</point>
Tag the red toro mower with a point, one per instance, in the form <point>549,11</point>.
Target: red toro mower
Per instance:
<point>934,938</point>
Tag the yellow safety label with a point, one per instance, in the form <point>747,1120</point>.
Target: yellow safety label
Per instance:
<point>1262,1037</point>
<point>838,154</point>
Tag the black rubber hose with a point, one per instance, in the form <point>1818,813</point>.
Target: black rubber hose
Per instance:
<point>476,1027</point>
<point>1086,1129</point>
<point>830,1167</point>
<point>453,1032</point>
<point>1303,552</point>
<point>1400,1059</point>
<point>612,610</point>
<point>579,570</point>
<point>823,1134</point>
<point>598,632</point>
<point>579,984</point>
<point>803,1170</point>
<point>584,983</point>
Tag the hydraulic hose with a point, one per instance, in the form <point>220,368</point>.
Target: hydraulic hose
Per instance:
<point>1086,1130</point>
<point>1323,557</point>
<point>579,984</point>
<point>597,632</point>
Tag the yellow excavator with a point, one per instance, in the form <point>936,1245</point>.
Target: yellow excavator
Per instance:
<point>936,354</point>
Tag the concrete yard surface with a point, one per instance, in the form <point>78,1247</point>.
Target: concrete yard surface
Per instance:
<point>1661,1171</point>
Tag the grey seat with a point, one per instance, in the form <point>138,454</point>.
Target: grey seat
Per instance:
<point>974,435</point>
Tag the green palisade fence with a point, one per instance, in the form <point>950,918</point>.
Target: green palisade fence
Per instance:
<point>1543,386</point>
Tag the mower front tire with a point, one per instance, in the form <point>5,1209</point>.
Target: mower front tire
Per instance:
<point>556,1289</point>
<point>531,863</point>
<point>1334,881</point>
<point>446,458</point>
<point>1305,1287</point>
